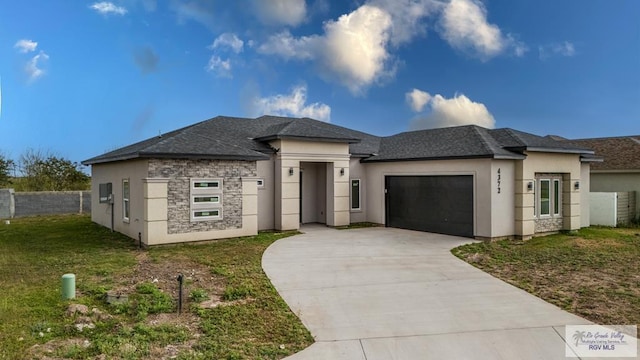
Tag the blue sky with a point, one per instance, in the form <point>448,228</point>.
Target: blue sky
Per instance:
<point>83,77</point>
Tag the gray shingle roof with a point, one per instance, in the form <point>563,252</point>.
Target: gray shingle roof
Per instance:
<point>246,139</point>
<point>445,143</point>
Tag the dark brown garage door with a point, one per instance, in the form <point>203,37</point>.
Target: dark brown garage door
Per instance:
<point>439,204</point>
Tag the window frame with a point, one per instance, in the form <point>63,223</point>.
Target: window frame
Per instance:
<point>359,194</point>
<point>215,191</point>
<point>548,198</point>
<point>126,200</point>
<point>555,196</point>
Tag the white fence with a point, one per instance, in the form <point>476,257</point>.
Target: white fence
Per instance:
<point>612,208</point>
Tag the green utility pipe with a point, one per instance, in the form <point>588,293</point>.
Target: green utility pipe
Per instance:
<point>68,286</point>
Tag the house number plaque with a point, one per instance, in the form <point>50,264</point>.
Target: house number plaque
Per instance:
<point>498,180</point>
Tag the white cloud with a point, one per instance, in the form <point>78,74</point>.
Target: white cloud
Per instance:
<point>219,67</point>
<point>106,8</point>
<point>288,47</point>
<point>34,72</point>
<point>564,48</point>
<point>25,45</point>
<point>352,50</point>
<point>280,12</point>
<point>456,111</point>
<point>408,17</point>
<point>417,99</point>
<point>294,104</point>
<point>229,40</point>
<point>464,26</point>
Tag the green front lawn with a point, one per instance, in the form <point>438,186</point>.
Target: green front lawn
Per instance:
<point>594,273</point>
<point>231,310</point>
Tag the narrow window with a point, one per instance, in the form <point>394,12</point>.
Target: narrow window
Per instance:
<point>206,184</point>
<point>125,199</point>
<point>556,197</point>
<point>212,199</point>
<point>355,194</point>
<point>545,199</point>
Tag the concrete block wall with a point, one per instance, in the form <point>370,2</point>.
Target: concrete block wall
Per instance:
<point>19,204</point>
<point>7,205</point>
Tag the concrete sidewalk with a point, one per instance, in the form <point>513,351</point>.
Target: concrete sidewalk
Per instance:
<point>381,293</point>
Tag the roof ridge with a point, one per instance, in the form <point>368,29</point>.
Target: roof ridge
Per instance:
<point>483,140</point>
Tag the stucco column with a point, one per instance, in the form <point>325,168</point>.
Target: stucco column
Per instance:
<point>155,210</point>
<point>524,202</point>
<point>287,194</point>
<point>250,204</point>
<point>338,194</point>
<point>571,202</point>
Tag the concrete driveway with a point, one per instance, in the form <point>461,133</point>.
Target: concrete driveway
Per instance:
<point>380,293</point>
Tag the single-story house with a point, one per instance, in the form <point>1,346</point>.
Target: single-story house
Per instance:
<point>620,169</point>
<point>228,177</point>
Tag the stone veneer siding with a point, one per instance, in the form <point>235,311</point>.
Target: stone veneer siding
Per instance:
<point>548,225</point>
<point>179,173</point>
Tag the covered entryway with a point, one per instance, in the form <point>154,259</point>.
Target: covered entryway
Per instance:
<point>438,204</point>
<point>313,192</point>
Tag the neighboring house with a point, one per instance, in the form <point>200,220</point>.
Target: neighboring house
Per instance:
<point>228,177</point>
<point>620,170</point>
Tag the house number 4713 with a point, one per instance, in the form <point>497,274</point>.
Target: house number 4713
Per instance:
<point>498,180</point>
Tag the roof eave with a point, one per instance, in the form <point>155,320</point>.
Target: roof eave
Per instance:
<point>554,150</point>
<point>488,156</point>
<point>149,155</point>
<point>308,138</point>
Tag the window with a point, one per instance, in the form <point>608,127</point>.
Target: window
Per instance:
<point>548,196</point>
<point>201,199</point>
<point>556,197</point>
<point>206,184</point>
<point>211,214</point>
<point>206,199</point>
<point>545,199</point>
<point>355,194</point>
<point>125,199</point>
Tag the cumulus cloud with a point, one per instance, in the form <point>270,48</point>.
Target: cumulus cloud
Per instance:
<point>564,48</point>
<point>456,111</point>
<point>219,67</point>
<point>408,17</point>
<point>464,26</point>
<point>417,99</point>
<point>280,12</point>
<point>293,104</point>
<point>228,40</point>
<point>33,66</point>
<point>352,50</point>
<point>106,8</point>
<point>25,45</point>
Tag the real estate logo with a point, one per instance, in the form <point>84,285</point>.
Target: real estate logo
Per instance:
<point>601,341</point>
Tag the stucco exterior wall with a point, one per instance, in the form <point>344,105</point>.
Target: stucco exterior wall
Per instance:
<point>357,170</point>
<point>135,171</point>
<point>616,182</point>
<point>266,194</point>
<point>291,153</point>
<point>585,209</point>
<point>551,163</point>
<point>502,199</point>
<point>484,189</point>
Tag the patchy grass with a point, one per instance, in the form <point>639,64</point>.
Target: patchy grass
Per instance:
<point>244,317</point>
<point>594,273</point>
